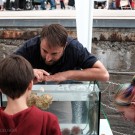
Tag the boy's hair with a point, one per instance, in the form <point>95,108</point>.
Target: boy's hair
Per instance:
<point>55,34</point>
<point>15,75</point>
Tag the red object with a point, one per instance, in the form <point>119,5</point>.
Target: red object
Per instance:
<point>31,121</point>
<point>133,5</point>
<point>117,3</point>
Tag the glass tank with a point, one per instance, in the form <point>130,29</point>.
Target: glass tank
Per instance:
<point>76,104</point>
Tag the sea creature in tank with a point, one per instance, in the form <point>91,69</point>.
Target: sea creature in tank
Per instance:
<point>42,102</point>
<point>75,130</point>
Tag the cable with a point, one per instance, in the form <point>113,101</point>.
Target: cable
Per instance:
<point>105,115</point>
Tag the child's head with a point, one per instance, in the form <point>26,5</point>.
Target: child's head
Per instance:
<point>16,73</point>
<point>125,101</point>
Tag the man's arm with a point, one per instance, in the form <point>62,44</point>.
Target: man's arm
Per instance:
<point>97,72</point>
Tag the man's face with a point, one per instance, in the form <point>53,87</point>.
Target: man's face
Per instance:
<point>50,55</point>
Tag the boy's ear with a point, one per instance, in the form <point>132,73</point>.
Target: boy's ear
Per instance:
<point>30,85</point>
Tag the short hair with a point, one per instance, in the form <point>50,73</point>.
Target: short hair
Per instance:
<point>15,75</point>
<point>126,94</point>
<point>55,34</point>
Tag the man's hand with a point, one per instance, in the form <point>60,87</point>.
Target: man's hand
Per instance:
<point>58,77</point>
<point>40,75</point>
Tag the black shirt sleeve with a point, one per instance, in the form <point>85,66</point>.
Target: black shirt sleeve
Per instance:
<point>30,50</point>
<point>81,56</point>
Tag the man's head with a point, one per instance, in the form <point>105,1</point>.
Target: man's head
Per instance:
<point>16,73</point>
<point>53,43</point>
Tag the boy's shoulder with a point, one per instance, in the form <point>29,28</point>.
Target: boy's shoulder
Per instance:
<point>45,113</point>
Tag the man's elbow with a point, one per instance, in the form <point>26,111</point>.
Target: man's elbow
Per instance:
<point>106,77</point>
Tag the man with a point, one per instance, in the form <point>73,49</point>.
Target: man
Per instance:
<point>71,4</point>
<point>99,4</point>
<point>42,5</point>
<point>57,57</point>
<point>52,4</point>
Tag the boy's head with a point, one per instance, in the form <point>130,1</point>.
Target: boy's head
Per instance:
<point>16,73</point>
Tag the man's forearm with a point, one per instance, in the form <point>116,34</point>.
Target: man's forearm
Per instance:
<point>87,75</point>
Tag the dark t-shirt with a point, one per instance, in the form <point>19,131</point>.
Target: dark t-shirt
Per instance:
<point>75,56</point>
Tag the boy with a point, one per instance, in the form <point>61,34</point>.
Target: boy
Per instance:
<point>16,80</point>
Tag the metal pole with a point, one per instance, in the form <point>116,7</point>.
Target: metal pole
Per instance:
<point>84,21</point>
<point>1,104</point>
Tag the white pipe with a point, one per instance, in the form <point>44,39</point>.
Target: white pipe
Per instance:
<point>84,22</point>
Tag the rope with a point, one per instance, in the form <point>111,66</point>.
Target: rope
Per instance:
<point>114,109</point>
<point>113,83</point>
<point>119,133</point>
